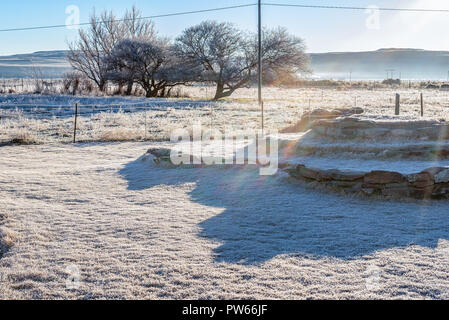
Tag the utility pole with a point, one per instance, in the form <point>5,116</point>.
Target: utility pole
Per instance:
<point>260,60</point>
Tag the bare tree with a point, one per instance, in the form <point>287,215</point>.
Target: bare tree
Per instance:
<point>87,54</point>
<point>151,64</point>
<point>228,56</point>
<point>136,27</point>
<point>95,44</point>
<point>282,53</point>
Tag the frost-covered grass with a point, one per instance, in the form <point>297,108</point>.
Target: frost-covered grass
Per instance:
<point>120,119</point>
<point>136,230</point>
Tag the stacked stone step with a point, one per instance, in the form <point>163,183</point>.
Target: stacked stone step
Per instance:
<point>428,184</point>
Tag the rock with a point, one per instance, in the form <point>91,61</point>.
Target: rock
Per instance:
<point>322,114</point>
<point>314,118</point>
<point>368,191</point>
<point>320,130</point>
<point>420,180</point>
<point>356,110</point>
<point>355,123</point>
<point>313,174</point>
<point>441,190</point>
<point>434,170</point>
<point>375,132</point>
<point>401,133</point>
<point>326,123</point>
<point>431,133</point>
<point>398,192</point>
<point>421,193</point>
<point>284,165</point>
<point>442,176</point>
<point>431,183</point>
<point>160,153</point>
<point>351,185</point>
<point>383,177</point>
<point>443,131</point>
<point>346,175</point>
<point>396,185</point>
<point>334,133</point>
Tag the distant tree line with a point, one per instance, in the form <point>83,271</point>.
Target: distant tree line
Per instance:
<point>129,51</point>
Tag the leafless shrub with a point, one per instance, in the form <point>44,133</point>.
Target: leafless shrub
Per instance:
<point>7,239</point>
<point>38,80</point>
<point>71,82</point>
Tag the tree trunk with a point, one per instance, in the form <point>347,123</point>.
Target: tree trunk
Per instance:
<point>151,93</point>
<point>219,92</point>
<point>163,91</point>
<point>102,85</point>
<point>129,88</point>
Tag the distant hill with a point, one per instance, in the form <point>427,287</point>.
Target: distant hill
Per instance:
<point>50,64</point>
<point>406,63</point>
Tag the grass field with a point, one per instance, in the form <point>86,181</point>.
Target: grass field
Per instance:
<point>22,118</point>
<point>134,230</point>
<point>93,221</point>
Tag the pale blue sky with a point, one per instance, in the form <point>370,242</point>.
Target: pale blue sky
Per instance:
<point>323,30</point>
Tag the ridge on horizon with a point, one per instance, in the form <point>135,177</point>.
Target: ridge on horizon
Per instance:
<point>324,52</point>
<point>408,63</point>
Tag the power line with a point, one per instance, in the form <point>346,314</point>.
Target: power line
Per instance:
<point>233,7</point>
<point>353,8</point>
<point>122,20</point>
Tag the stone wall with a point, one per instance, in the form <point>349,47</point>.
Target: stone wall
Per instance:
<point>432,183</point>
<point>354,128</point>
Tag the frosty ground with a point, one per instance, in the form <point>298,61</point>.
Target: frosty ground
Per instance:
<point>136,230</point>
<point>49,118</point>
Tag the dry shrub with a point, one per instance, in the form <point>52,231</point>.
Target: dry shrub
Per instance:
<point>7,239</point>
<point>75,83</point>
<point>120,134</point>
<point>23,136</point>
<point>178,93</point>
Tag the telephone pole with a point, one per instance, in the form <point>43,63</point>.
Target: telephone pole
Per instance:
<point>260,60</point>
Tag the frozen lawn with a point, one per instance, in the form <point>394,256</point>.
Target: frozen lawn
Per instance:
<point>140,231</point>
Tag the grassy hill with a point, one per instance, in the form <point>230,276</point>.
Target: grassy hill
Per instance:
<point>48,64</point>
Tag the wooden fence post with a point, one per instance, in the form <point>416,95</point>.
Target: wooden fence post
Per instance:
<point>76,119</point>
<point>422,105</point>
<point>398,104</point>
